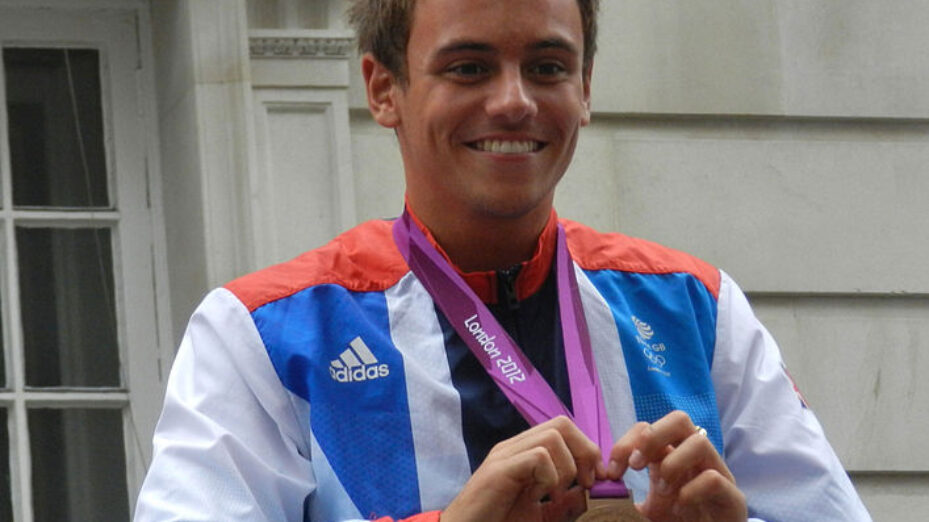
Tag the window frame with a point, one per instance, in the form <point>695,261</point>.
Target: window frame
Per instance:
<point>120,31</point>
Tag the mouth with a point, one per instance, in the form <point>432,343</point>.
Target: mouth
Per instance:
<point>507,146</point>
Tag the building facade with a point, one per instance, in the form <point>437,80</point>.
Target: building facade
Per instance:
<point>153,149</point>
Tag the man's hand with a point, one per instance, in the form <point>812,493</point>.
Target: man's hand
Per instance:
<point>688,478</point>
<point>518,473</point>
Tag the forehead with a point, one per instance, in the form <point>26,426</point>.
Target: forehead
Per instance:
<point>496,22</point>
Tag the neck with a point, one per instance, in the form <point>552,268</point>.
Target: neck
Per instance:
<point>482,243</point>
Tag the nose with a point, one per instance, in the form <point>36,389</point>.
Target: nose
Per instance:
<point>511,97</point>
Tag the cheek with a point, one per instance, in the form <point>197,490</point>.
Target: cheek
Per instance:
<point>568,112</point>
<point>435,119</point>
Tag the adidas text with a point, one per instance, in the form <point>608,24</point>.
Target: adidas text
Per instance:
<point>357,364</point>
<point>361,373</point>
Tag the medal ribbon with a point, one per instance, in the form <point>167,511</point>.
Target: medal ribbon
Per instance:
<point>503,360</point>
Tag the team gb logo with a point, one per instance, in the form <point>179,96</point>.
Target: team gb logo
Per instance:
<point>656,353</point>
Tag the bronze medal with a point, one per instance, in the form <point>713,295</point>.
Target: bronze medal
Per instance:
<point>611,510</point>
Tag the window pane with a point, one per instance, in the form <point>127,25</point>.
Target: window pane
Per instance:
<point>56,127</point>
<point>3,345</point>
<point>6,506</point>
<point>69,326</point>
<point>78,465</point>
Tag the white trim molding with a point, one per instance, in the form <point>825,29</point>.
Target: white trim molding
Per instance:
<point>301,58</point>
<point>300,44</point>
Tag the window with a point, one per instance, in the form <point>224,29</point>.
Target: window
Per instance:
<point>79,369</point>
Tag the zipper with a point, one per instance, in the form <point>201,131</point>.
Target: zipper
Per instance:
<point>506,287</point>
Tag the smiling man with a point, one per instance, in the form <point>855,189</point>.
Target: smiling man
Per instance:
<point>479,358</point>
<point>487,117</point>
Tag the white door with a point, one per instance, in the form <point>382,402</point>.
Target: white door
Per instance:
<point>79,374</point>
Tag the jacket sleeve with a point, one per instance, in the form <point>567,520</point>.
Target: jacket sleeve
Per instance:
<point>232,443</point>
<point>228,445</point>
<point>774,445</point>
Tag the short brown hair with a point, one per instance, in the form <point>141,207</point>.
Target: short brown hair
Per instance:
<point>383,29</point>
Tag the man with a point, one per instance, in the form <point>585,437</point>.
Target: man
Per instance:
<point>374,377</point>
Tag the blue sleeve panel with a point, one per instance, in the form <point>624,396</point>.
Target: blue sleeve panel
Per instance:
<point>358,405</point>
<point>667,328</point>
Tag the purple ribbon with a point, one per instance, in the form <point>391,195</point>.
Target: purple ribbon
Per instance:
<point>503,360</point>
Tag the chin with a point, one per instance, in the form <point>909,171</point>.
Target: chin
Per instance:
<point>512,208</point>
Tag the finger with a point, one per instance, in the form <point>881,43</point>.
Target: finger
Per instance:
<point>713,495</point>
<point>586,453</point>
<point>560,424</point>
<point>658,504</point>
<point>549,441</point>
<point>622,449</point>
<point>576,456</point>
<point>652,442</point>
<point>533,471</point>
<point>694,455</point>
<point>545,475</point>
<point>503,488</point>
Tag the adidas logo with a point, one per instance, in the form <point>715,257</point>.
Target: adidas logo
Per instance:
<point>356,364</point>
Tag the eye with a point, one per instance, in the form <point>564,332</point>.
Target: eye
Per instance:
<point>467,70</point>
<point>548,70</point>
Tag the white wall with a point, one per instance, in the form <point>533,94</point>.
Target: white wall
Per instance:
<point>787,142</point>
<point>255,143</point>
<point>203,97</point>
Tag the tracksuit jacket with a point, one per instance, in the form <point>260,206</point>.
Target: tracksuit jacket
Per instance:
<point>331,388</point>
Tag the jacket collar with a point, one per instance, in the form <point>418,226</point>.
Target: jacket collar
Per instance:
<point>532,273</point>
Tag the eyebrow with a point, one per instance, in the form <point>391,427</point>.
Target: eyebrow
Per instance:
<point>555,43</point>
<point>470,45</point>
<point>464,45</point>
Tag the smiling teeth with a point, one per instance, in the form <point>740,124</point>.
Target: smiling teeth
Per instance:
<point>507,147</point>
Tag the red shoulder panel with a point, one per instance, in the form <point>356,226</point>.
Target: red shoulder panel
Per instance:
<point>364,259</point>
<point>594,250</point>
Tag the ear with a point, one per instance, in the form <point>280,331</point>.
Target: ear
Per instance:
<point>382,88</point>
<point>585,118</point>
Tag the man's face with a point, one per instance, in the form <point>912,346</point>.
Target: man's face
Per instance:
<point>495,96</point>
